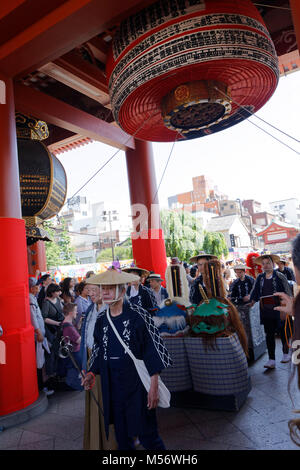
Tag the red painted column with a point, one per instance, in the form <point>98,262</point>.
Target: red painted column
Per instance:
<point>148,244</point>
<point>37,258</point>
<point>18,381</point>
<point>295,7</point>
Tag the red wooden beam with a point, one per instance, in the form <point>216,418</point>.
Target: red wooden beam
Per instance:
<point>51,110</point>
<point>8,7</point>
<point>64,28</point>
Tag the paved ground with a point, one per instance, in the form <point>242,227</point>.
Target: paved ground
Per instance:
<point>260,424</point>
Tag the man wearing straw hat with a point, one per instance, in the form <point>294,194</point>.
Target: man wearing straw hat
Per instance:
<point>241,286</point>
<point>94,426</point>
<point>200,260</point>
<point>138,294</point>
<point>266,284</point>
<point>158,290</point>
<point>283,268</point>
<point>126,402</point>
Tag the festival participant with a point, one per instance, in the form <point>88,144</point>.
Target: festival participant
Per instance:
<point>66,367</point>
<point>138,294</point>
<point>287,272</point>
<point>94,427</point>
<point>200,259</point>
<point>241,286</point>
<point>44,281</point>
<point>67,288</point>
<point>216,315</point>
<point>253,269</point>
<point>158,290</point>
<point>82,301</point>
<point>89,274</point>
<point>38,324</point>
<point>266,284</point>
<point>291,307</point>
<point>53,316</point>
<point>125,399</point>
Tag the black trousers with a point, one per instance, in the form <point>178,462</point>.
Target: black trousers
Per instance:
<point>272,326</point>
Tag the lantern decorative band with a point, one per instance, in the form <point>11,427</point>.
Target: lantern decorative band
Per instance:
<point>43,180</point>
<point>30,128</point>
<point>195,105</point>
<point>172,43</point>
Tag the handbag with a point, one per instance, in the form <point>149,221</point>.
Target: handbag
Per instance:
<point>163,392</point>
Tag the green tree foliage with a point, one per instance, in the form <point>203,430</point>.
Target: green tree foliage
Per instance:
<point>183,234</point>
<point>215,244</point>
<point>121,252</point>
<point>58,252</point>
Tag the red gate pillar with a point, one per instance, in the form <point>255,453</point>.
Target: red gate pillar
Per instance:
<point>37,258</point>
<point>148,243</point>
<point>295,7</point>
<point>18,382</point>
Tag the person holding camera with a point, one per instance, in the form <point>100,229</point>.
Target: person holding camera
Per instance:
<point>266,285</point>
<point>291,306</point>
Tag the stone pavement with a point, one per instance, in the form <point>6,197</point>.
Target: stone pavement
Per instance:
<point>260,424</point>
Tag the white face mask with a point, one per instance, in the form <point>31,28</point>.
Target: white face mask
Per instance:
<point>133,291</point>
<point>118,296</point>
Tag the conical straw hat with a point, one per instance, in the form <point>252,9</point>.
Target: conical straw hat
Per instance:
<point>112,277</point>
<point>142,271</point>
<point>202,255</point>
<point>259,259</point>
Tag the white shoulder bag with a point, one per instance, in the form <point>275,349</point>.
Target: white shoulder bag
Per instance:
<point>163,392</point>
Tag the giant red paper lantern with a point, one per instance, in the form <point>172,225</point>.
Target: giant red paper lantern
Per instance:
<point>182,68</point>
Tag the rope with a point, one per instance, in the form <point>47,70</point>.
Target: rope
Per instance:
<point>271,6</point>
<point>257,117</point>
<point>104,165</point>
<point>288,321</point>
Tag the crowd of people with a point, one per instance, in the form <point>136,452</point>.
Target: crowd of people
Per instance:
<point>84,312</point>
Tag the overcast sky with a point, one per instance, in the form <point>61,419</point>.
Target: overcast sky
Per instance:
<point>242,161</point>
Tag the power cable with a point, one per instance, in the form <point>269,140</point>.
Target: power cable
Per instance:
<point>271,135</point>
<point>257,117</point>
<point>163,174</point>
<point>104,165</point>
<point>271,6</point>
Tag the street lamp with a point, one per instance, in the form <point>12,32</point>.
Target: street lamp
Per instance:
<point>112,216</point>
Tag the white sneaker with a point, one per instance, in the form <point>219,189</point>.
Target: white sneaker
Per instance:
<point>48,392</point>
<point>271,364</point>
<point>285,358</point>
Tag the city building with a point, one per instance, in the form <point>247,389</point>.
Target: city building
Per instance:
<point>288,210</point>
<point>229,207</point>
<point>92,228</point>
<point>204,197</point>
<point>277,237</point>
<point>235,232</point>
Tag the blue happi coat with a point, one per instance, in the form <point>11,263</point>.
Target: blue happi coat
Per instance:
<point>279,284</point>
<point>145,299</point>
<point>137,330</point>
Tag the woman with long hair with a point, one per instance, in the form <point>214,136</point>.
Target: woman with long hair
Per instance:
<point>291,307</point>
<point>67,289</point>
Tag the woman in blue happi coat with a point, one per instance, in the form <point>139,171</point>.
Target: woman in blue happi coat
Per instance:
<point>126,402</point>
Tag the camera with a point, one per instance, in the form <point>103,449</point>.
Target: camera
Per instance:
<point>270,301</point>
